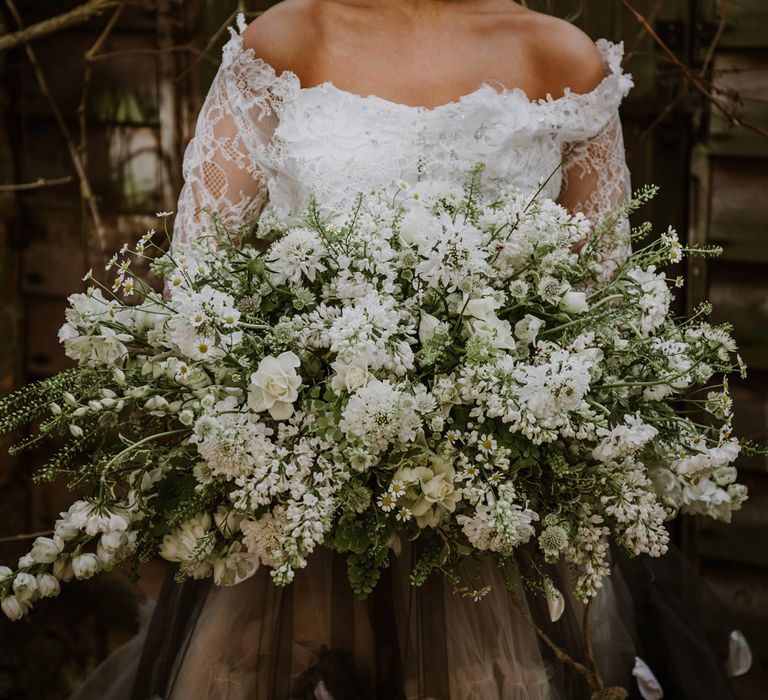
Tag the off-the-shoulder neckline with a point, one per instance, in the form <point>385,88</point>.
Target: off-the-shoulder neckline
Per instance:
<point>611,52</point>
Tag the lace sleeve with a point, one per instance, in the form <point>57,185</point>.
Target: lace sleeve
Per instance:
<point>596,181</point>
<point>222,164</point>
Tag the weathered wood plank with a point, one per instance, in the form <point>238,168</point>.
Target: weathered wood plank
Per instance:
<point>44,317</point>
<point>739,293</point>
<point>739,208</point>
<point>741,84</point>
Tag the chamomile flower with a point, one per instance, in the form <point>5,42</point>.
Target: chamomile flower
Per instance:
<point>404,515</point>
<point>386,502</point>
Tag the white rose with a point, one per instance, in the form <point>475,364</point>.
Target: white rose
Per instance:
<point>85,565</point>
<point>274,385</point>
<point>528,328</point>
<point>46,550</point>
<point>575,302</point>
<point>48,586</point>
<point>349,377</point>
<point>13,608</point>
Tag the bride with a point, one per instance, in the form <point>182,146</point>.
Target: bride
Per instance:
<point>330,97</point>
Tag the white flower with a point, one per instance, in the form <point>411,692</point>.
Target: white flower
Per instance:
<point>274,385</point>
<point>575,302</point>
<point>86,565</point>
<point>25,587</point>
<point>349,376</point>
<point>298,253</point>
<point>483,308</point>
<point>494,331</point>
<point>189,543</point>
<point>419,228</point>
<point>234,565</point>
<point>45,550</point>
<point>624,439</point>
<point>527,329</point>
<point>93,518</point>
<point>13,608</point>
<point>431,327</point>
<point>48,585</point>
<point>380,413</point>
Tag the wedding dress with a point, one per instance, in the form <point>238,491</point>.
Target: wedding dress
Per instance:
<point>263,137</point>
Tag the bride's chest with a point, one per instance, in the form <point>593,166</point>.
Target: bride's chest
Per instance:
<point>331,141</point>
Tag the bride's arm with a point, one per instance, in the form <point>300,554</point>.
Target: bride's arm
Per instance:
<point>596,181</point>
<point>222,165</point>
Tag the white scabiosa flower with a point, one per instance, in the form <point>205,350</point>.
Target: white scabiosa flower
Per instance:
<point>275,385</point>
<point>298,253</point>
<point>379,414</point>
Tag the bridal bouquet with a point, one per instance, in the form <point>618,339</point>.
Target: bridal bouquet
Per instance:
<point>427,365</point>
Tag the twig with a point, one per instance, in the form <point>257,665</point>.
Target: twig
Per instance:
<point>36,31</point>
<point>589,651</point>
<point>85,185</point>
<point>214,38</point>
<point>593,682</point>
<point>36,185</point>
<point>82,109</point>
<point>692,77</point>
<point>26,536</point>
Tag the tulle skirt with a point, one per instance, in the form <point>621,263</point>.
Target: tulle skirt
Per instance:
<point>314,639</point>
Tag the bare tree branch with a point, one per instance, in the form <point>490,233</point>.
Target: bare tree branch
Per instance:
<point>85,186</point>
<point>36,185</point>
<point>26,536</point>
<point>54,24</point>
<point>691,76</point>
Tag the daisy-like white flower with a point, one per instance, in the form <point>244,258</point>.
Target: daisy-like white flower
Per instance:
<point>397,488</point>
<point>163,214</point>
<point>404,515</point>
<point>386,502</point>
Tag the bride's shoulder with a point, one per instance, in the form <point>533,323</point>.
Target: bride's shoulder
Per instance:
<point>281,34</point>
<point>563,55</point>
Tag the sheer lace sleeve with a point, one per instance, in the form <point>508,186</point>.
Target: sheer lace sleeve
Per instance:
<point>596,178</point>
<point>223,163</point>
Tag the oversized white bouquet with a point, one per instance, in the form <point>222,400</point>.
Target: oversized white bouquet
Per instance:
<point>427,365</point>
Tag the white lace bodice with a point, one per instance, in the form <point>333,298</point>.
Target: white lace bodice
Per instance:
<point>261,135</point>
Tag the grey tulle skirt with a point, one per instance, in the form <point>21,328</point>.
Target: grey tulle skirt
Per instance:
<point>314,639</point>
